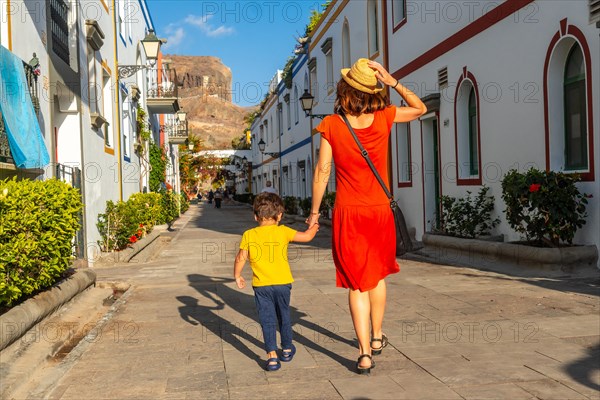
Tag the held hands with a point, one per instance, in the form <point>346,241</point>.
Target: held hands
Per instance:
<point>381,74</point>
<point>312,220</point>
<point>241,282</point>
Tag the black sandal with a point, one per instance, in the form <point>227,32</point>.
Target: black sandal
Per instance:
<point>384,342</point>
<point>363,370</point>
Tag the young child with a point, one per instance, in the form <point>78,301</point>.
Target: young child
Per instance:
<point>266,248</point>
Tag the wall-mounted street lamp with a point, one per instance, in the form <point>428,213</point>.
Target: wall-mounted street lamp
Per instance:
<point>306,100</point>
<point>261,147</point>
<point>189,144</point>
<point>151,44</point>
<point>181,115</point>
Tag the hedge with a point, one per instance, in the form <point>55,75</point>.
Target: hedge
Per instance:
<point>126,222</point>
<point>38,221</point>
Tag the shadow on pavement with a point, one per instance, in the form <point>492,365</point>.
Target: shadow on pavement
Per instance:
<point>582,285</point>
<point>217,290</point>
<point>584,369</point>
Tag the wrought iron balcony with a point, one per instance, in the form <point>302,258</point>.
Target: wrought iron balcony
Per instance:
<point>177,132</point>
<point>5,154</point>
<point>162,91</point>
<point>31,73</point>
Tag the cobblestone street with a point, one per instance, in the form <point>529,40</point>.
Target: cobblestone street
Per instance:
<point>184,331</point>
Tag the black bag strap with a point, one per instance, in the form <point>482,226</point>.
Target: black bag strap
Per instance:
<point>365,154</point>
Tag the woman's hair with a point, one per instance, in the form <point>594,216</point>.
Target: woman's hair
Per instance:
<point>352,101</point>
<point>268,206</point>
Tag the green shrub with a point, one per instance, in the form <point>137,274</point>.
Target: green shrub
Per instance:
<point>291,205</point>
<point>158,167</point>
<point>146,208</point>
<point>117,226</point>
<point>244,198</point>
<point>468,217</point>
<point>305,205</point>
<point>545,206</point>
<point>170,207</point>
<point>38,221</point>
<point>126,222</point>
<point>327,203</point>
<point>185,203</point>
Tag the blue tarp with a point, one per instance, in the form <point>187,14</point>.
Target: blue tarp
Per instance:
<point>20,121</point>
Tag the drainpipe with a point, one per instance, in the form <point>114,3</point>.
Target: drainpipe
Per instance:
<point>117,98</point>
<point>279,129</point>
<point>82,178</point>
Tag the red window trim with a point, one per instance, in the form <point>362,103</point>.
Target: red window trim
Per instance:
<point>408,183</point>
<point>402,21</point>
<point>466,75</point>
<point>573,31</point>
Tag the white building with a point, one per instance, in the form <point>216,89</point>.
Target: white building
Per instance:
<point>87,101</point>
<point>493,76</point>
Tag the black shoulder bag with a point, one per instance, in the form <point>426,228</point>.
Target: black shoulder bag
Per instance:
<point>403,241</point>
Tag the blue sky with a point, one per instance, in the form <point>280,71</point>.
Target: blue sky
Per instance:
<point>253,38</point>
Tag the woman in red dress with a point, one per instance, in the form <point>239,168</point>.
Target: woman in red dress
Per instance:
<point>364,237</point>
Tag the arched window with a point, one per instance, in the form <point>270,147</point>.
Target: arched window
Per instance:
<point>467,131</point>
<point>473,146</point>
<point>346,57</point>
<point>575,111</point>
<point>568,103</point>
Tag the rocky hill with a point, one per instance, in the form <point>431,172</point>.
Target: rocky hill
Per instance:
<point>206,97</point>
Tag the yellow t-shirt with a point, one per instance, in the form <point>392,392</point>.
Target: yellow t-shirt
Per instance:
<point>267,248</point>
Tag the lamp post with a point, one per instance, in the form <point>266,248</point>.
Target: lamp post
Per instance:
<point>307,100</point>
<point>151,44</point>
<point>261,147</point>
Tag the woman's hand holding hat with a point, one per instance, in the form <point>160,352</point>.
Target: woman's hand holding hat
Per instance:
<point>381,74</point>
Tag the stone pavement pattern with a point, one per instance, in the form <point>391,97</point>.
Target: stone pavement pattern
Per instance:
<point>184,330</point>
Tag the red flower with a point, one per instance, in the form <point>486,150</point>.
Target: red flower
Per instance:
<point>139,233</point>
<point>534,187</point>
<point>141,225</point>
<point>133,239</point>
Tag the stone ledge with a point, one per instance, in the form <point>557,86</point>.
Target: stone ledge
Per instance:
<point>19,319</point>
<point>565,259</point>
<point>127,254</point>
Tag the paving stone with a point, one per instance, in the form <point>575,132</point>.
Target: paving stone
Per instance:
<point>316,390</point>
<point>368,387</point>
<point>187,332</point>
<point>498,391</point>
<point>549,389</point>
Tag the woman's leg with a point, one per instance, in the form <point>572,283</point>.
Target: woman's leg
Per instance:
<point>360,310</point>
<point>377,298</point>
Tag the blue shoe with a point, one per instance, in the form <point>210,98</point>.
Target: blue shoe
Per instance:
<point>273,367</point>
<point>287,355</point>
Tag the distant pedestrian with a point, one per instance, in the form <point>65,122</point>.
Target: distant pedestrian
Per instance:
<point>210,196</point>
<point>218,198</point>
<point>266,248</point>
<point>269,188</point>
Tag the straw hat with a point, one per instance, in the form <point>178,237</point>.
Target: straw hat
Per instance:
<point>361,77</point>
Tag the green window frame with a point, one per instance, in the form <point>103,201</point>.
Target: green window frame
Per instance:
<point>473,139</point>
<point>575,111</point>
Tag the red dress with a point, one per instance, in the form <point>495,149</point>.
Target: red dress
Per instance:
<point>364,236</point>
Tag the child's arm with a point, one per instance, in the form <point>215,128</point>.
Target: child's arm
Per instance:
<point>238,266</point>
<point>308,235</point>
